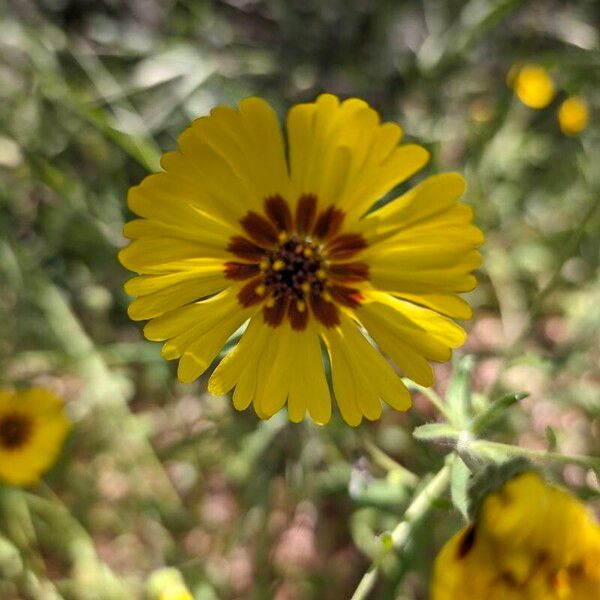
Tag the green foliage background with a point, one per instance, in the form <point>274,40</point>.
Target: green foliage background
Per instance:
<point>156,473</point>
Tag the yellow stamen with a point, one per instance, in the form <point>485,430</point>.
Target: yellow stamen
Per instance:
<point>321,274</point>
<point>282,237</point>
<point>270,303</point>
<point>308,252</point>
<point>260,290</point>
<point>278,265</point>
<point>264,264</point>
<point>305,287</point>
<point>327,296</point>
<point>301,305</point>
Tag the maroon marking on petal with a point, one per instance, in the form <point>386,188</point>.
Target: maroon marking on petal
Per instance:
<point>305,213</point>
<point>346,296</point>
<point>355,271</point>
<point>324,311</point>
<point>328,223</point>
<point>240,271</point>
<point>298,320</point>
<point>247,296</point>
<point>273,315</point>
<point>244,248</point>
<point>345,246</point>
<point>259,229</point>
<point>278,211</point>
<point>467,542</point>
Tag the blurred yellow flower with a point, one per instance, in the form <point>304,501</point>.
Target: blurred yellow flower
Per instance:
<point>573,115</point>
<point>533,86</point>
<point>167,584</point>
<point>33,426</point>
<point>240,229</point>
<point>177,592</point>
<point>530,541</point>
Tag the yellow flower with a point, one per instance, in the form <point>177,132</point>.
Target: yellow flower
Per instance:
<point>573,115</point>
<point>233,233</point>
<point>177,592</point>
<point>33,426</point>
<point>530,541</point>
<point>167,584</point>
<point>533,86</point>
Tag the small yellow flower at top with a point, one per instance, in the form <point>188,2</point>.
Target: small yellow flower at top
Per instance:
<point>573,115</point>
<point>33,426</point>
<point>530,541</point>
<point>533,86</point>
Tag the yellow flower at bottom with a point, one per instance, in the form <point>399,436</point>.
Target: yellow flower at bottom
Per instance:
<point>533,86</point>
<point>179,592</point>
<point>33,426</point>
<point>573,115</point>
<point>167,584</point>
<point>530,541</point>
<point>243,231</point>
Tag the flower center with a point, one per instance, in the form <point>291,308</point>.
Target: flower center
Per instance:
<point>294,270</point>
<point>297,264</point>
<point>15,430</point>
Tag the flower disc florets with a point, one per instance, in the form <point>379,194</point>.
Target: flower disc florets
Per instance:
<point>15,429</point>
<point>297,265</point>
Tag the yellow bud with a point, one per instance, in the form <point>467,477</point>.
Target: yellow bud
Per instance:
<point>278,265</point>
<point>301,305</point>
<point>282,237</point>
<point>573,115</point>
<point>308,252</point>
<point>305,287</point>
<point>260,290</point>
<point>270,303</point>
<point>321,274</point>
<point>534,87</point>
<point>264,264</point>
<point>327,296</point>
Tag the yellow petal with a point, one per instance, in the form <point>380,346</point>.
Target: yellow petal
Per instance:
<point>244,355</point>
<point>198,356</point>
<point>383,312</point>
<point>164,255</point>
<point>430,197</point>
<point>343,379</point>
<point>204,313</point>
<point>445,304</point>
<point>193,287</point>
<point>309,380</point>
<point>370,185</point>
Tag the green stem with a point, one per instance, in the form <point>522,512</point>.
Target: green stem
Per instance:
<point>481,446</point>
<point>432,396</point>
<point>418,508</point>
<point>388,463</point>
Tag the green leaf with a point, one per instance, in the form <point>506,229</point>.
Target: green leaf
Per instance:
<point>551,437</point>
<point>459,486</point>
<point>458,396</point>
<point>495,411</point>
<point>435,431</point>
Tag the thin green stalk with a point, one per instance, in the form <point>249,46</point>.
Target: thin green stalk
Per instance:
<point>388,463</point>
<point>418,508</point>
<point>432,396</point>
<point>481,446</point>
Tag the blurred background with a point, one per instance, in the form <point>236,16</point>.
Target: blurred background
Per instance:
<point>156,473</point>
